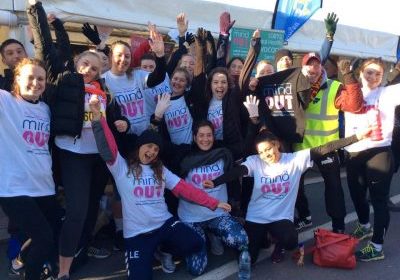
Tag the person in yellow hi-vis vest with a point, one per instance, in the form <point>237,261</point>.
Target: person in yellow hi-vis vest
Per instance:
<point>322,126</point>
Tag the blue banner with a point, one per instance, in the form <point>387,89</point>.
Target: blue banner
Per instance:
<point>290,15</point>
<point>398,50</point>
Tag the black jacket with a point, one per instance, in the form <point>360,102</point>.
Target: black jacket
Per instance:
<point>7,80</point>
<point>284,96</point>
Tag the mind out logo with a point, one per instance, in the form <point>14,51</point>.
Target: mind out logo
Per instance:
<point>36,132</point>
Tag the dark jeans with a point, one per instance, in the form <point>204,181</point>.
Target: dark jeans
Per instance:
<point>37,218</point>
<point>283,231</point>
<point>84,177</point>
<point>174,236</point>
<point>329,167</point>
<point>371,170</point>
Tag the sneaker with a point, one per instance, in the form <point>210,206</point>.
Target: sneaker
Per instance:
<point>98,253</point>
<point>369,253</point>
<point>166,260</point>
<point>16,268</point>
<point>301,223</point>
<point>244,265</point>
<point>361,233</point>
<point>278,254</point>
<point>216,246</point>
<point>119,242</point>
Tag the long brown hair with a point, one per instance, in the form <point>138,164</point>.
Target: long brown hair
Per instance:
<point>135,168</point>
<point>218,70</point>
<point>17,72</point>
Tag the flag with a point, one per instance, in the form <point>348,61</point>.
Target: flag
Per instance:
<point>398,50</point>
<point>290,15</point>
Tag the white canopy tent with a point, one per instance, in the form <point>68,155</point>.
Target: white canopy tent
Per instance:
<point>134,14</point>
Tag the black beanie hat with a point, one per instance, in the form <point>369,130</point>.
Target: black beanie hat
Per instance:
<point>149,136</point>
<point>281,53</point>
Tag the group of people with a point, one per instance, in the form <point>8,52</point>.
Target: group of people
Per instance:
<point>192,146</point>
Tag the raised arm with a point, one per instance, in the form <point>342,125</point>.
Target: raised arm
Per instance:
<point>64,50</point>
<point>225,25</point>
<point>157,46</point>
<point>103,136</point>
<point>330,26</point>
<point>45,50</point>
<point>251,58</point>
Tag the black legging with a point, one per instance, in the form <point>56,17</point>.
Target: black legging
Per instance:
<point>329,167</point>
<point>283,231</point>
<point>84,177</point>
<point>37,218</point>
<point>371,170</point>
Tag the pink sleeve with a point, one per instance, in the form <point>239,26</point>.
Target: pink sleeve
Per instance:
<point>110,141</point>
<point>191,193</point>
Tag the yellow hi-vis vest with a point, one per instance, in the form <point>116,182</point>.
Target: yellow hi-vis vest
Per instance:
<point>322,118</point>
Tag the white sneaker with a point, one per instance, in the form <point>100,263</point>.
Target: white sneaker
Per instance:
<point>217,248</point>
<point>166,260</point>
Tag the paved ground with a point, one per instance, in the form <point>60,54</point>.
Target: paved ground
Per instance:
<point>224,267</point>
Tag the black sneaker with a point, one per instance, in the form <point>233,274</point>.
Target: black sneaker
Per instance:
<point>98,253</point>
<point>119,242</point>
<point>278,254</point>
<point>301,223</point>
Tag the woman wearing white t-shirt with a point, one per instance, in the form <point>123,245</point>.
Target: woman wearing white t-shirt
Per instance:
<point>370,163</point>
<point>141,181</point>
<point>27,189</point>
<point>276,182</point>
<point>206,162</point>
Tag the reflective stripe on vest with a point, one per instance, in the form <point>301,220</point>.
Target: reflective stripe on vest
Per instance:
<point>322,118</point>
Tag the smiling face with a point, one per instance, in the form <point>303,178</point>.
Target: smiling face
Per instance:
<point>31,81</point>
<point>89,65</point>
<point>204,138</point>
<point>120,59</point>
<point>269,151</point>
<point>148,153</point>
<point>219,85</point>
<point>371,76</point>
<point>179,83</point>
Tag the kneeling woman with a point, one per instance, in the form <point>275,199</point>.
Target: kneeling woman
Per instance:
<point>141,181</point>
<point>276,181</point>
<point>203,163</point>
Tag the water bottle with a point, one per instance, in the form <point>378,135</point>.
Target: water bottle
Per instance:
<point>244,265</point>
<point>374,119</point>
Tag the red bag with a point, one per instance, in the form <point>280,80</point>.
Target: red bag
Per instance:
<point>334,249</point>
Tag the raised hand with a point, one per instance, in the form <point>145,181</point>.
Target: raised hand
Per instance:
<point>182,23</point>
<point>51,17</point>
<point>163,102</point>
<point>94,105</point>
<point>225,23</point>
<point>330,24</point>
<point>156,41</point>
<point>251,105</point>
<point>121,125</point>
<point>91,33</point>
<point>225,206</point>
<point>257,33</point>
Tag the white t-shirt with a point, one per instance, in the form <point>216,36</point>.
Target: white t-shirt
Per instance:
<point>179,122</point>
<point>386,99</point>
<point>190,212</point>
<point>25,161</point>
<point>85,144</point>
<point>143,204</point>
<point>129,94</point>
<point>215,116</point>
<point>151,94</point>
<point>275,186</point>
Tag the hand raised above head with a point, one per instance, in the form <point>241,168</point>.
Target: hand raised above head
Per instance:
<point>182,23</point>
